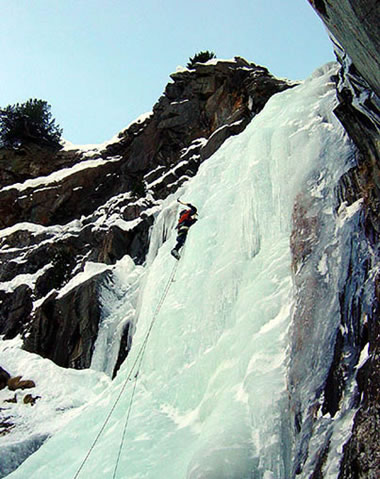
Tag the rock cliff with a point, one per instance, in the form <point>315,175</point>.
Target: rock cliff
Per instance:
<point>60,210</point>
<point>355,33</point>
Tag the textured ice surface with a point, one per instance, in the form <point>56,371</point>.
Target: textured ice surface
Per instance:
<point>210,400</point>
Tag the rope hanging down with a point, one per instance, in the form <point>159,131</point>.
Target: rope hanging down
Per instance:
<point>138,360</point>
<point>142,350</point>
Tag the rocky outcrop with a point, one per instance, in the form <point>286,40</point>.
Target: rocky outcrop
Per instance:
<point>64,328</point>
<point>14,382</point>
<point>16,306</point>
<point>198,102</point>
<point>60,210</point>
<point>18,383</point>
<point>350,291</point>
<point>355,29</point>
<point>4,378</point>
<point>32,161</point>
<point>356,26</point>
<point>361,454</point>
<point>62,200</point>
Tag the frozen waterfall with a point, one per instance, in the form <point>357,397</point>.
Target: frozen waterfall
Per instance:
<point>211,399</point>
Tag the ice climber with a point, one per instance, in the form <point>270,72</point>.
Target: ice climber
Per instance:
<point>187,218</point>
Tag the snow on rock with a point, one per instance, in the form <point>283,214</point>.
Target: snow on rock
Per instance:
<point>58,175</point>
<point>94,149</point>
<point>27,279</point>
<point>90,269</point>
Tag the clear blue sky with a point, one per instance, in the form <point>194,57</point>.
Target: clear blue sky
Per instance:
<point>102,63</point>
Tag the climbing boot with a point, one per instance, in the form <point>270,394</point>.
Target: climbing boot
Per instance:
<point>175,253</point>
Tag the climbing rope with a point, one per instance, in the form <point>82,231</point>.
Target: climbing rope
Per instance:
<point>138,361</point>
<point>142,351</point>
<point>125,427</point>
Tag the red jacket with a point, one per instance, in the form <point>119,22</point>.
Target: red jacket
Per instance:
<point>187,218</point>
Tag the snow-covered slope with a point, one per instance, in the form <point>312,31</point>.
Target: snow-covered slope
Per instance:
<point>212,348</point>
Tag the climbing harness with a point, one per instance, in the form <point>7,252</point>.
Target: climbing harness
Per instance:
<point>138,362</point>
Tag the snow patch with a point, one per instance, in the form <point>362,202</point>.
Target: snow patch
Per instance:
<point>27,279</point>
<point>59,175</point>
<point>90,270</point>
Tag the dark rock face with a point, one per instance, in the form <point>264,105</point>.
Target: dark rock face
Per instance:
<point>362,453</point>
<point>4,377</point>
<point>361,456</point>
<point>99,205</point>
<point>62,201</point>
<point>125,345</point>
<point>64,329</point>
<point>16,307</point>
<point>32,161</point>
<point>361,119</point>
<point>355,26</point>
<point>352,294</point>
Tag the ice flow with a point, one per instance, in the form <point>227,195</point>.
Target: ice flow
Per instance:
<point>211,397</point>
